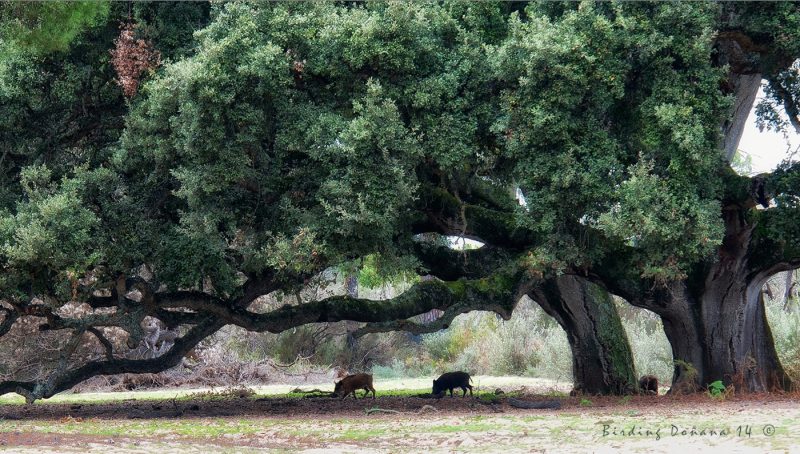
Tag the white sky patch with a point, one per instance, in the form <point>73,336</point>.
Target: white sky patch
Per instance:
<point>521,198</point>
<point>460,243</point>
<point>768,148</point>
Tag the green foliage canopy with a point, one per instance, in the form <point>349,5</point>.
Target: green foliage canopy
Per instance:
<point>44,27</point>
<point>282,138</point>
<point>319,128</point>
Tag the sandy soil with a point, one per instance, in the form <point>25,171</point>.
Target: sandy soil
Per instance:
<point>406,424</point>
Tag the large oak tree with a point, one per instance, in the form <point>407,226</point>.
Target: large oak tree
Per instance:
<point>286,138</point>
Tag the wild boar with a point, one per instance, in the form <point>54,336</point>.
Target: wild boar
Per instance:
<point>351,383</point>
<point>648,384</point>
<point>451,380</point>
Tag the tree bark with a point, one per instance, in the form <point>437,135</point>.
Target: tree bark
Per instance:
<point>34,390</point>
<point>715,320</point>
<point>684,330</point>
<point>602,362</point>
<point>740,347</point>
<point>745,89</point>
<point>741,55</point>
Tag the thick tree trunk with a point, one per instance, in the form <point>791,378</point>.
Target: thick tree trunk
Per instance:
<point>729,340</point>
<point>602,361</point>
<point>738,53</point>
<point>740,347</point>
<point>716,322</point>
<point>725,298</point>
<point>770,375</point>
<point>745,88</point>
<point>715,319</point>
<point>684,332</point>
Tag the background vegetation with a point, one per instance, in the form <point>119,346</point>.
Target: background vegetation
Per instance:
<point>530,344</point>
<point>166,165</point>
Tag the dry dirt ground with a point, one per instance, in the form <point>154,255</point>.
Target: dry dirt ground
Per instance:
<point>211,423</point>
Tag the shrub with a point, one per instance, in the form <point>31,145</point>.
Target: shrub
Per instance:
<point>652,354</point>
<point>785,327</point>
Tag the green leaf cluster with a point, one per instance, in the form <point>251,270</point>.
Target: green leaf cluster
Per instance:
<point>286,137</point>
<point>44,27</point>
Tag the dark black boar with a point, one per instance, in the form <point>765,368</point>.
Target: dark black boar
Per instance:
<point>351,383</point>
<point>451,380</point>
<point>648,384</point>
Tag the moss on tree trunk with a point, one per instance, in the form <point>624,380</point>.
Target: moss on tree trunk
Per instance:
<point>602,361</point>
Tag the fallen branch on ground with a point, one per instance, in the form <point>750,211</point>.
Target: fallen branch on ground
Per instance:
<point>315,390</point>
<point>370,411</point>
<point>425,408</point>
<point>313,393</point>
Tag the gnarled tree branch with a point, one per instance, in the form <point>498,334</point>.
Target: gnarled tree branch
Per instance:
<point>420,298</point>
<point>33,390</point>
<point>450,264</point>
<point>502,308</point>
<point>109,348</point>
<point>443,214</point>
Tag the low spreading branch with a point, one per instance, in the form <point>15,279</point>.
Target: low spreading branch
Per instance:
<point>449,264</point>
<point>497,291</point>
<point>10,317</point>
<point>443,322</point>
<point>107,346</point>
<point>33,390</point>
<point>445,214</point>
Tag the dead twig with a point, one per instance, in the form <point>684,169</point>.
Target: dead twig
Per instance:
<point>178,411</point>
<point>370,411</point>
<point>424,409</point>
<point>286,366</point>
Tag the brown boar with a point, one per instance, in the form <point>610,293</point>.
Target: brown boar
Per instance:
<point>351,383</point>
<point>648,384</point>
<point>451,380</point>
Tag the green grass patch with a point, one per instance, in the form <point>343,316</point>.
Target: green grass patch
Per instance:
<point>431,431</point>
<point>467,427</point>
<point>144,428</point>
<point>100,398</point>
<point>378,392</point>
<point>535,418</point>
<point>364,434</point>
<point>220,394</point>
<point>403,387</point>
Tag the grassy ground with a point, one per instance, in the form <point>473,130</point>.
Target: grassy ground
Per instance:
<point>638,424</point>
<point>402,386</point>
<point>551,432</point>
